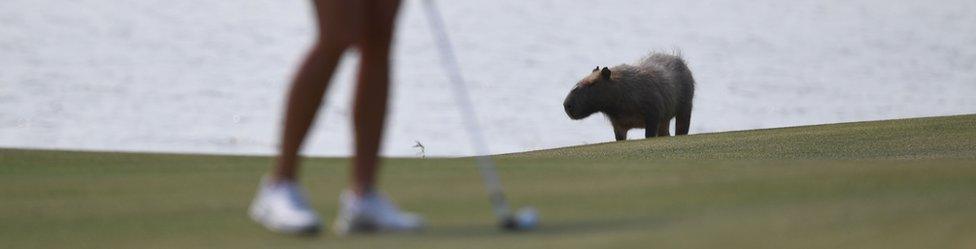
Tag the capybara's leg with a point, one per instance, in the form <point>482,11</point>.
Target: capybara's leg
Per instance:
<point>651,123</point>
<point>620,133</point>
<point>664,129</point>
<point>683,121</point>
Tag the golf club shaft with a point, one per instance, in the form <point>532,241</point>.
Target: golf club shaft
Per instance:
<point>463,98</point>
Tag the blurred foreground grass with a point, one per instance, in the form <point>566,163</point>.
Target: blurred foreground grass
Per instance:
<point>888,184</point>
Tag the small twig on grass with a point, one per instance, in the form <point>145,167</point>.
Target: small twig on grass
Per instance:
<point>422,153</point>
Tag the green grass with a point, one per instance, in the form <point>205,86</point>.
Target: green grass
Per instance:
<point>888,184</point>
<point>921,138</point>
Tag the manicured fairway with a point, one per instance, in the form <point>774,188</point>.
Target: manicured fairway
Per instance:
<point>888,184</point>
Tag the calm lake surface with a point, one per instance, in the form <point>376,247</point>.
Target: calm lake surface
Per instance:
<point>208,76</point>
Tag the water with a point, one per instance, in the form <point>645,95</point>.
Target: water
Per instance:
<point>209,76</point>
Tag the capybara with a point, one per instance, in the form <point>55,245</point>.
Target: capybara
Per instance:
<point>646,95</point>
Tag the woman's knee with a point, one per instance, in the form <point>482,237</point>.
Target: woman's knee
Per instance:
<point>335,40</point>
<point>377,26</point>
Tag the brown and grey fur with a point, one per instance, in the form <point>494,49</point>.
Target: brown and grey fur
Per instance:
<point>646,95</point>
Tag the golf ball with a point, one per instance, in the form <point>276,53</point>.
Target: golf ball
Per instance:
<point>527,218</point>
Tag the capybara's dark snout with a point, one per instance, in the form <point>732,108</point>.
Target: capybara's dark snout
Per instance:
<point>570,110</point>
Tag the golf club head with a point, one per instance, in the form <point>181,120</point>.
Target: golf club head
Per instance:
<point>524,219</point>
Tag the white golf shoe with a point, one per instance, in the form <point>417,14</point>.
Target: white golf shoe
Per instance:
<point>281,207</point>
<point>372,212</point>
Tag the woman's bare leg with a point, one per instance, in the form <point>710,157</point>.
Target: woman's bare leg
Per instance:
<point>372,89</point>
<point>337,30</point>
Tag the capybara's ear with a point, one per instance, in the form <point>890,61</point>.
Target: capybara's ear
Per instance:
<point>595,69</point>
<point>605,74</point>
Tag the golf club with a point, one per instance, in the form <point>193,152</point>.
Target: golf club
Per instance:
<point>526,218</point>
